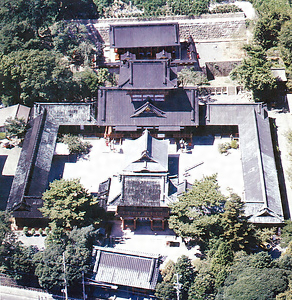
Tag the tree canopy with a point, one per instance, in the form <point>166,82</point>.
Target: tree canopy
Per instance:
<point>67,203</point>
<point>76,248</point>
<point>255,73</point>
<point>205,215</point>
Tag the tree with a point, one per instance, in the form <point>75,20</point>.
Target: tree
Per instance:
<point>254,277</point>
<point>236,231</point>
<point>76,247</point>
<point>67,203</point>
<point>197,213</point>
<point>75,144</point>
<point>15,127</point>
<point>188,76</point>
<point>15,259</point>
<point>27,76</point>
<point>268,28</point>
<point>165,289</point>
<point>255,73</point>
<point>186,272</point>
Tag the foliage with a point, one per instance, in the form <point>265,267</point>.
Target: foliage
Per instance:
<point>265,234</point>
<point>71,39</point>
<point>205,215</point>
<point>197,213</point>
<point>27,76</point>
<point>15,259</point>
<point>15,127</point>
<point>76,246</point>
<point>255,73</point>
<point>67,203</point>
<point>223,147</point>
<point>25,230</point>
<point>236,231</point>
<point>285,43</point>
<point>268,27</point>
<point>286,235</point>
<point>188,76</point>
<point>188,7</point>
<point>186,272</point>
<point>234,144</point>
<point>225,8</point>
<point>75,144</point>
<point>254,277</point>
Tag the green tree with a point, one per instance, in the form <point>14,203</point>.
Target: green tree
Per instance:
<point>76,247</point>
<point>75,144</point>
<point>165,289</point>
<point>197,213</point>
<point>35,75</point>
<point>15,127</point>
<point>67,203</point>
<point>237,232</point>
<point>15,259</point>
<point>188,76</point>
<point>186,272</point>
<point>255,73</point>
<point>268,28</point>
<point>254,277</point>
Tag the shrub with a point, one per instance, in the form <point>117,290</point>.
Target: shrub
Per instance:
<point>41,231</point>
<point>75,144</point>
<point>234,144</point>
<point>32,231</point>
<point>15,127</point>
<point>47,230</point>
<point>224,147</point>
<point>225,8</point>
<point>25,231</point>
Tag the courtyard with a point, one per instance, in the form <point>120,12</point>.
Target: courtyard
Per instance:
<point>202,158</point>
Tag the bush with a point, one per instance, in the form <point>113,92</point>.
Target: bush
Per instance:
<point>47,230</point>
<point>234,144</point>
<point>25,231</point>
<point>224,147</point>
<point>41,231</point>
<point>32,231</point>
<point>75,144</point>
<point>225,8</point>
<point>15,127</point>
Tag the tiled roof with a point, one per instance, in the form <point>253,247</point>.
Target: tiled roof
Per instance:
<point>125,268</point>
<point>262,197</point>
<point>144,35</point>
<point>148,154</point>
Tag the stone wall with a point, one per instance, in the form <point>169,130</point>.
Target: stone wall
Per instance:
<point>219,27</point>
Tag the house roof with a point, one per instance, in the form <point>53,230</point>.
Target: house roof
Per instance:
<point>148,154</point>
<point>144,35</point>
<point>262,197</point>
<point>14,111</point>
<point>147,74</point>
<point>125,268</point>
<point>178,108</point>
<point>32,172</point>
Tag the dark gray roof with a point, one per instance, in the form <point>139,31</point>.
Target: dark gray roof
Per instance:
<point>32,173</point>
<point>261,187</point>
<point>125,268</point>
<point>68,113</point>
<point>147,74</point>
<point>144,35</point>
<point>148,155</point>
<point>116,108</point>
<point>142,190</point>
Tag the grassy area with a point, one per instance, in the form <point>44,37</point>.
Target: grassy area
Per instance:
<point>2,135</point>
